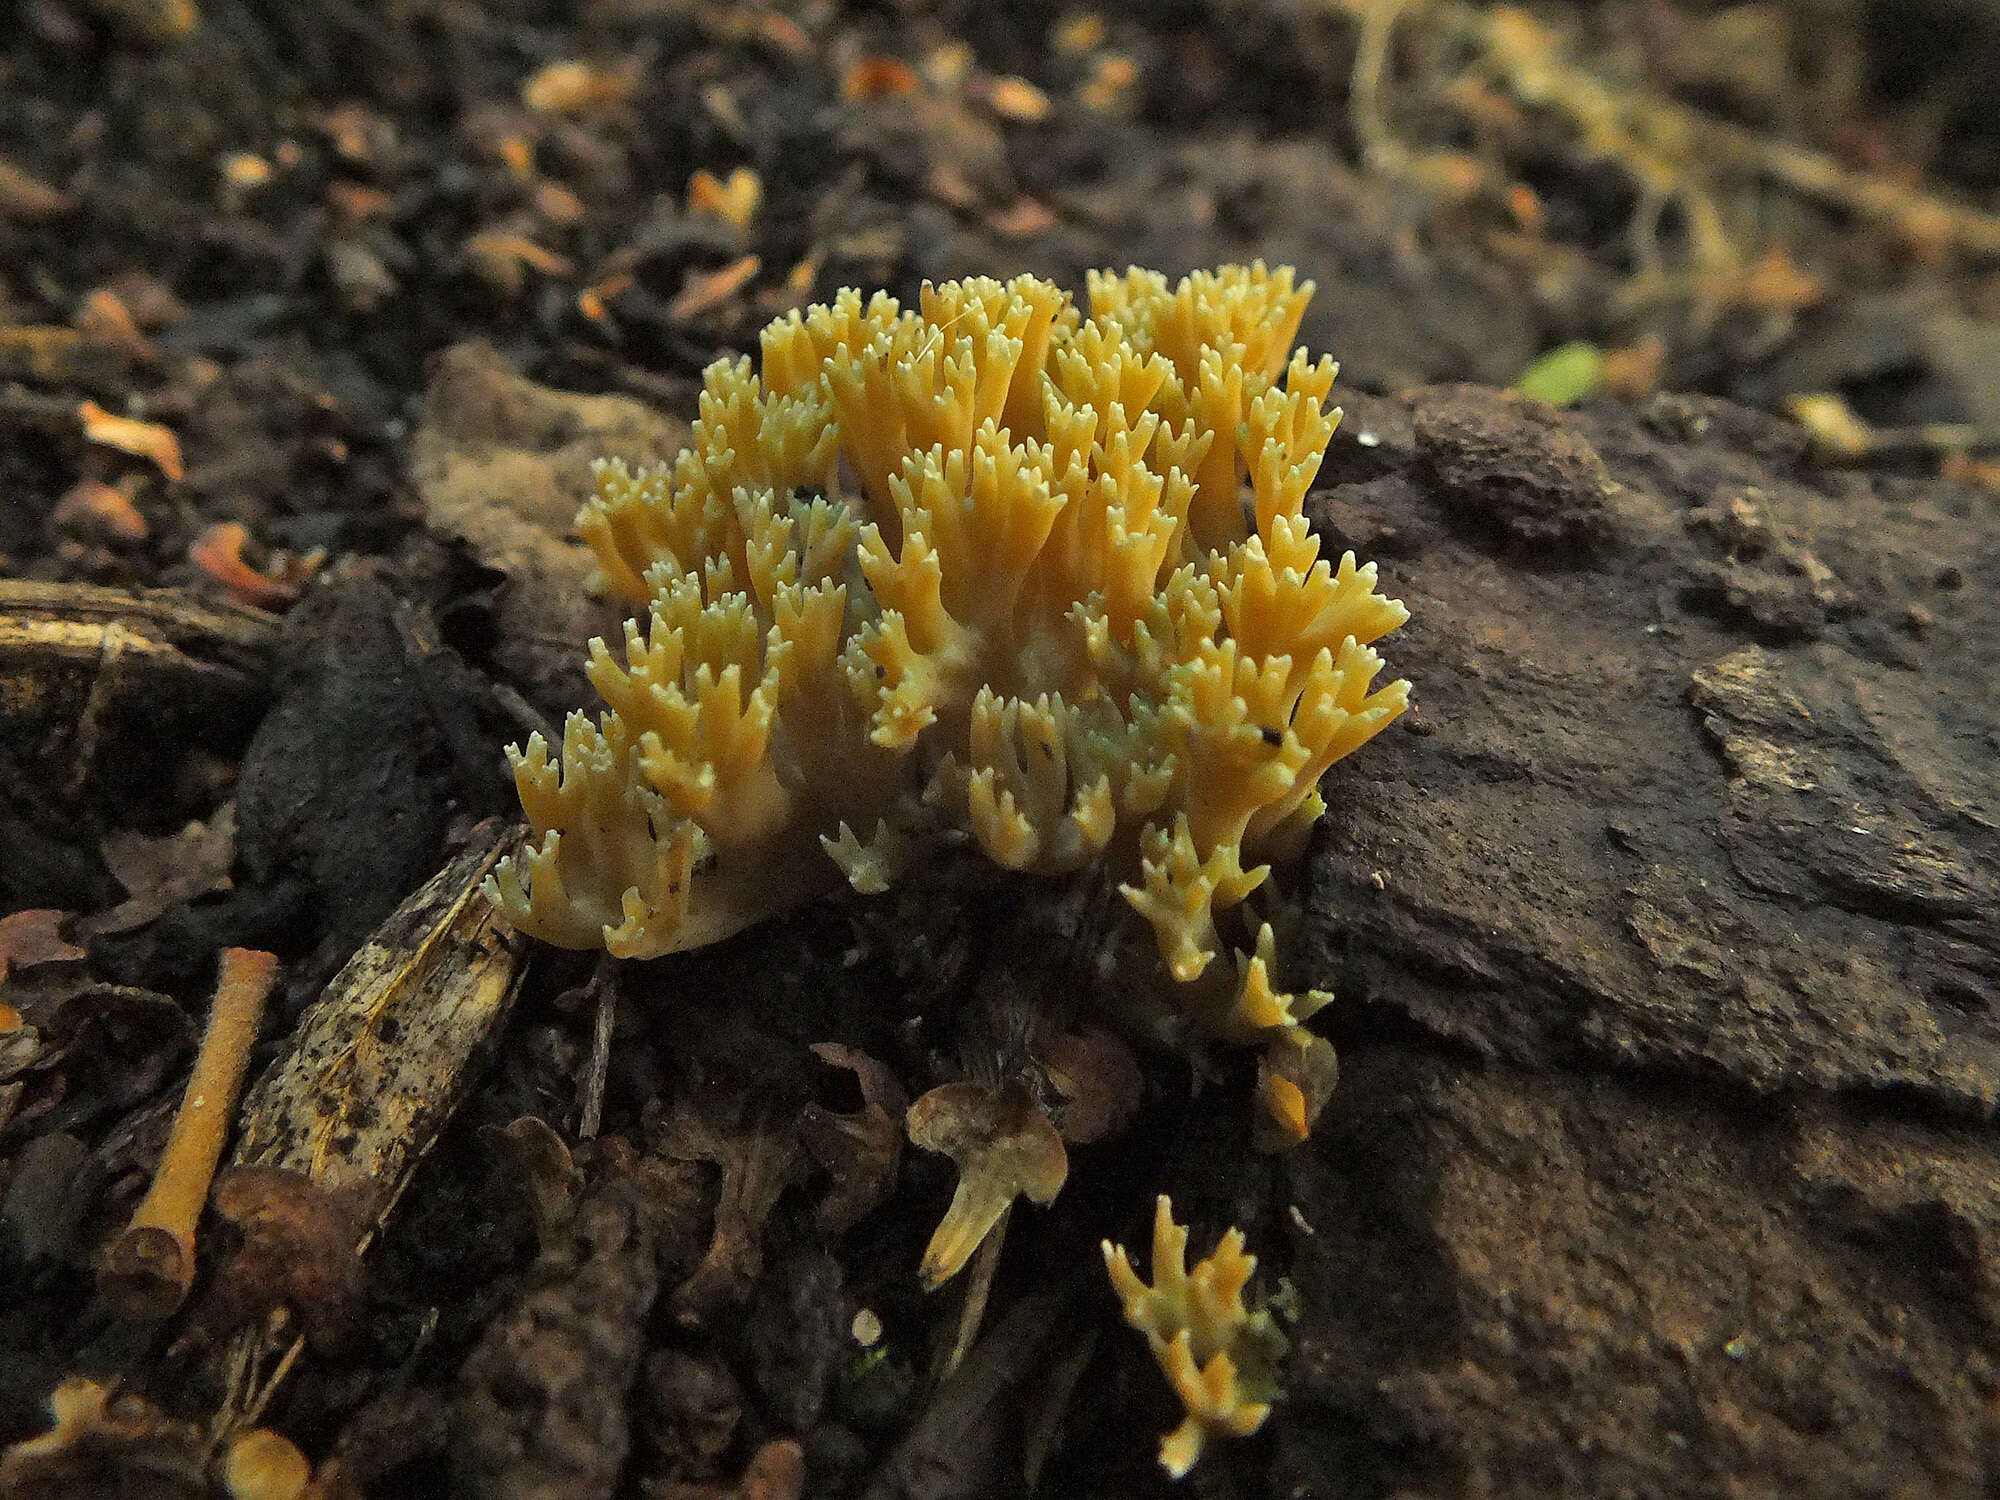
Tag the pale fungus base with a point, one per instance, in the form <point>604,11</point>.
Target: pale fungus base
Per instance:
<point>996,569</point>
<point>1220,1358</point>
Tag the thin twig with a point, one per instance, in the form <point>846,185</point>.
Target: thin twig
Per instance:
<point>604,986</point>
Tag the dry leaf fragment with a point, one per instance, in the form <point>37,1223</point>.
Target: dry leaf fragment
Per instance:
<point>862,1151</point>
<point>777,1471</point>
<point>1775,281</point>
<point>575,87</point>
<point>705,290</point>
<point>151,301</point>
<point>93,510</point>
<point>27,199</point>
<point>104,318</point>
<point>1081,31</point>
<point>154,21</point>
<point>878,77</point>
<point>243,170</point>
<point>1099,1077</point>
<point>1005,1149</point>
<point>356,203</point>
<point>549,1172</point>
<point>160,874</point>
<point>1111,85</point>
<point>104,1049</point>
<point>1022,219</point>
<point>517,155</point>
<point>758,1164</point>
<point>593,301</point>
<point>1017,99</point>
<point>147,440</point>
<point>1633,373</point>
<point>786,35</point>
<point>33,937</point>
<point>298,1251</point>
<point>218,552</point>
<point>558,205</point>
<point>734,201</point>
<point>357,133</point>
<point>502,260</point>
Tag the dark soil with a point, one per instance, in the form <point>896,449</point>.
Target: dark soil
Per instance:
<point>1663,929</point>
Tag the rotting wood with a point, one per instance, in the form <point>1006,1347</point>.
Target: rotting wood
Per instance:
<point>176,628</point>
<point>77,662</point>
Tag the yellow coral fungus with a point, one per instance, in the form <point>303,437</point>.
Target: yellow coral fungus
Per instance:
<point>1220,1358</point>
<point>993,567</point>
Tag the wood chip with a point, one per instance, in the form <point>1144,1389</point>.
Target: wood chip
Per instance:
<point>104,318</point>
<point>705,290</point>
<point>734,201</point>
<point>378,1064</point>
<point>26,199</point>
<point>218,552</point>
<point>1018,100</point>
<point>147,440</point>
<point>573,87</point>
<point>877,77</point>
<point>95,511</point>
<point>384,1055</point>
<point>33,937</point>
<point>84,670</point>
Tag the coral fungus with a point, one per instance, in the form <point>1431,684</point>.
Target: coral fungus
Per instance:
<point>1220,1358</point>
<point>993,569</point>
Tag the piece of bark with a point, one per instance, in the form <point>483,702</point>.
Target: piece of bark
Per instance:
<point>378,1064</point>
<point>1618,831</point>
<point>1665,932</point>
<point>1584,1286</point>
<point>381,1059</point>
<point>502,464</point>
<point>103,684</point>
<point>542,1409</point>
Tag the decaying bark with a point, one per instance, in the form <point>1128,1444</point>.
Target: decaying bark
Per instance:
<point>85,670</point>
<point>381,1060</point>
<point>1668,947</point>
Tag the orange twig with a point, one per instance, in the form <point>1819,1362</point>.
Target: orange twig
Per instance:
<point>148,1269</point>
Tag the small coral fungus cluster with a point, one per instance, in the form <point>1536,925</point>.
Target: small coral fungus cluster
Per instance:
<point>1219,1356</point>
<point>995,569</point>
